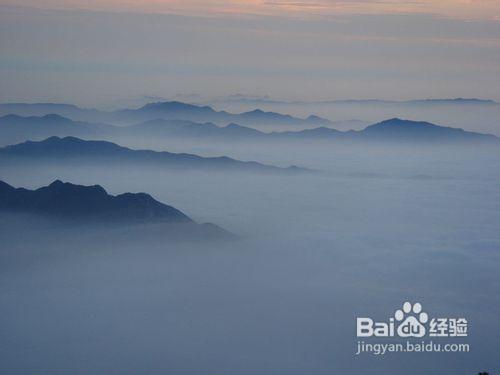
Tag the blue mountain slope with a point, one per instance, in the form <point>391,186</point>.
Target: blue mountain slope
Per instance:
<point>419,131</point>
<point>78,151</point>
<point>87,202</point>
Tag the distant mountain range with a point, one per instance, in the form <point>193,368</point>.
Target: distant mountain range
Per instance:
<point>14,129</point>
<point>74,150</point>
<point>392,130</point>
<point>162,110</point>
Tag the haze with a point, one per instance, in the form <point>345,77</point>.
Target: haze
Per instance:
<point>108,58</point>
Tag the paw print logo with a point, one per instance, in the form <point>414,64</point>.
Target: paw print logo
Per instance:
<point>412,320</point>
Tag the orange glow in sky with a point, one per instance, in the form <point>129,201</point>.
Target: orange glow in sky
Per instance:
<point>465,9</point>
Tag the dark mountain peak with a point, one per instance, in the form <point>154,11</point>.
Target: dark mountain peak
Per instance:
<point>79,202</point>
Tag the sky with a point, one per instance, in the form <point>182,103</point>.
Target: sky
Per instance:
<point>464,9</point>
<point>111,52</point>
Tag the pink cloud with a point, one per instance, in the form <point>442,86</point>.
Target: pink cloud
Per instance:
<point>465,9</point>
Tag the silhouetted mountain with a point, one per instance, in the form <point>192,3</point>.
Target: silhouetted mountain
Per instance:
<point>87,202</point>
<point>78,151</point>
<point>14,128</point>
<point>419,131</point>
<point>135,214</point>
<point>189,129</point>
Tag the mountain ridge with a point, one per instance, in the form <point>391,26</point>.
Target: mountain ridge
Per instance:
<point>69,149</point>
<point>66,200</point>
<point>166,109</point>
<point>407,130</point>
<point>14,129</point>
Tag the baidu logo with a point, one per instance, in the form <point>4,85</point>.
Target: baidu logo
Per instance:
<point>411,321</point>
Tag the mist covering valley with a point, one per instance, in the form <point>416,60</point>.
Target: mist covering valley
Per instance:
<point>375,225</point>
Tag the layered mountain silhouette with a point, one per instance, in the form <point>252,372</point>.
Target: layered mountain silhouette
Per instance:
<point>14,129</point>
<point>170,110</point>
<point>79,151</point>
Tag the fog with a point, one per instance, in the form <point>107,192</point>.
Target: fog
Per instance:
<point>374,227</point>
